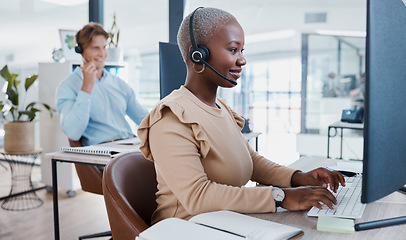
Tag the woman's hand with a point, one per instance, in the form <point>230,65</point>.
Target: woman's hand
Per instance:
<point>318,177</point>
<point>302,198</point>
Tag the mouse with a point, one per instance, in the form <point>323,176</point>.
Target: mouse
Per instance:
<point>347,173</point>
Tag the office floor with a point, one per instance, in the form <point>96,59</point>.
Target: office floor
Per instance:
<point>81,215</point>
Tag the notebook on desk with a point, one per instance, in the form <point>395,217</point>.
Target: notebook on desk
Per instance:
<point>99,150</point>
<point>224,225</point>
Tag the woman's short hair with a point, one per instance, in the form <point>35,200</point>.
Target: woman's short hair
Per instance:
<point>84,36</point>
<point>205,24</point>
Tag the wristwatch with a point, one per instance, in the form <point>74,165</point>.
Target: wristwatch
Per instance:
<point>278,195</point>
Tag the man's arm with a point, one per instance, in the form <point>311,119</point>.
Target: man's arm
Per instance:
<point>135,110</point>
<point>74,110</point>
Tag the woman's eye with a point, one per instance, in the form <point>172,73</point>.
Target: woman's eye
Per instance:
<point>234,50</point>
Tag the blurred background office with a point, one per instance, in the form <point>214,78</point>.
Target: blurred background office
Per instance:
<point>304,58</point>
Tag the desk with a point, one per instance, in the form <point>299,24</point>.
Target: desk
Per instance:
<point>22,194</point>
<point>342,126</point>
<point>76,158</point>
<point>393,205</point>
<point>250,135</point>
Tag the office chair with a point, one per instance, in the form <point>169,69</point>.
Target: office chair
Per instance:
<point>91,180</point>
<point>129,187</point>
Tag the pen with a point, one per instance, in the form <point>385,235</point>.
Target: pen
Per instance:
<point>380,223</point>
<point>223,230</point>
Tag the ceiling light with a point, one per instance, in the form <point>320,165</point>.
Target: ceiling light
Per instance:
<point>261,37</point>
<point>67,2</point>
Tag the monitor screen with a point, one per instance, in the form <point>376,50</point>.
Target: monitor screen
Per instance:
<point>172,68</point>
<point>385,100</point>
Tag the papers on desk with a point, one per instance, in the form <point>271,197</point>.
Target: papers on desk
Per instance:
<point>333,224</point>
<point>98,150</point>
<point>349,166</point>
<point>129,141</point>
<point>224,225</point>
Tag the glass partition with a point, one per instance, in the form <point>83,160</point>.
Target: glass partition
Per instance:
<point>332,70</point>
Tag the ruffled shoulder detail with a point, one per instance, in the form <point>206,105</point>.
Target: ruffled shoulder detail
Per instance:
<point>238,120</point>
<point>184,117</point>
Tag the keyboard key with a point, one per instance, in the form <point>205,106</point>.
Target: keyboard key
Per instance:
<point>348,199</point>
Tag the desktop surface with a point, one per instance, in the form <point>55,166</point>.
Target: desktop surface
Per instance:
<point>393,205</point>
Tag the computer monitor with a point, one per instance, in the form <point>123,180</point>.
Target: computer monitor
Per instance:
<point>384,162</point>
<point>384,169</point>
<point>172,68</point>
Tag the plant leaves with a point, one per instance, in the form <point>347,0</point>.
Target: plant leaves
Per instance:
<point>46,106</point>
<point>29,81</point>
<point>49,108</point>
<point>12,113</point>
<point>4,72</point>
<point>15,82</point>
<point>10,78</point>
<point>12,96</point>
<point>30,113</point>
<point>118,36</point>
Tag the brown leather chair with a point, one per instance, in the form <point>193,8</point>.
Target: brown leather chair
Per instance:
<point>129,187</point>
<point>91,180</point>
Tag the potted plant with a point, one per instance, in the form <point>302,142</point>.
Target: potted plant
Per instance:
<point>18,117</point>
<point>114,53</point>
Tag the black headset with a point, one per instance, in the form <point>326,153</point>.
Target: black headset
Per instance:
<point>200,53</point>
<point>78,47</point>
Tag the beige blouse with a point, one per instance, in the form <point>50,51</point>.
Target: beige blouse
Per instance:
<point>203,161</point>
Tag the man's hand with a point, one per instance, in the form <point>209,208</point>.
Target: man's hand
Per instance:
<point>318,177</point>
<point>89,76</point>
<point>302,198</point>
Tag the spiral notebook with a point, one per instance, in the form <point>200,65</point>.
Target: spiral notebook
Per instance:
<point>99,150</point>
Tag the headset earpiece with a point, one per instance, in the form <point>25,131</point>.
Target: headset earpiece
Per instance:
<point>199,53</point>
<point>78,47</point>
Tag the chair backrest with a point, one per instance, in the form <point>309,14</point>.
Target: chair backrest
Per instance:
<point>129,187</point>
<point>90,176</point>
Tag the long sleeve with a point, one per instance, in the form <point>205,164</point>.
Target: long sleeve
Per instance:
<point>134,109</point>
<point>177,161</point>
<point>100,116</point>
<point>269,172</point>
<point>74,110</point>
<point>202,160</point>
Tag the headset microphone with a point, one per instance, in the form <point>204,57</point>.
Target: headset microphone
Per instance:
<point>199,53</point>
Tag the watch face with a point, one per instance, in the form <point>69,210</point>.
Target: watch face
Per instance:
<point>278,194</point>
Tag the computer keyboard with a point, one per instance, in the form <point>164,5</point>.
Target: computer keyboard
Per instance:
<point>348,201</point>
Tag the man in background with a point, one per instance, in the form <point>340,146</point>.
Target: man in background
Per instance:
<point>91,101</point>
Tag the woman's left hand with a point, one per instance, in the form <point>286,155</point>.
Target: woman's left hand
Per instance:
<point>318,177</point>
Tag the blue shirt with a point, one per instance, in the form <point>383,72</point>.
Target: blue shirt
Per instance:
<point>100,116</point>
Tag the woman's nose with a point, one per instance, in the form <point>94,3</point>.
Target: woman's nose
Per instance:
<point>241,61</point>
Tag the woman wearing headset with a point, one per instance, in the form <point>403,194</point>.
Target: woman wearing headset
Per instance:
<point>201,158</point>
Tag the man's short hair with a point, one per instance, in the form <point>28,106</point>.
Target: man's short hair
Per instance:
<point>205,24</point>
<point>85,36</point>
